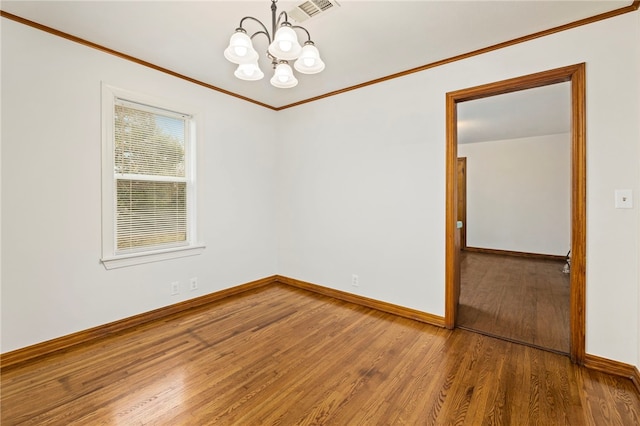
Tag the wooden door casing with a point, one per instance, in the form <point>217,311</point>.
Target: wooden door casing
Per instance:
<point>576,75</point>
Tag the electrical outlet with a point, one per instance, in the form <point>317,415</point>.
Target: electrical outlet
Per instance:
<point>355,280</point>
<point>193,283</point>
<point>175,288</point>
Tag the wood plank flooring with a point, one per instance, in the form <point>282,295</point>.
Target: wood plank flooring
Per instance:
<point>284,356</point>
<point>517,298</point>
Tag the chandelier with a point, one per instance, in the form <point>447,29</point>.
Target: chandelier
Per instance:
<point>283,47</point>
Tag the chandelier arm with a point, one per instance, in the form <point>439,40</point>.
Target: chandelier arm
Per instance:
<point>259,22</point>
<point>303,29</point>
<point>261,32</point>
<point>278,22</point>
<point>273,59</point>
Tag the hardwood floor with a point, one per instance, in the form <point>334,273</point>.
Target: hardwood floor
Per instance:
<point>280,355</point>
<point>517,298</point>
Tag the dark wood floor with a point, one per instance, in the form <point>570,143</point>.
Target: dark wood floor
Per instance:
<point>280,355</point>
<point>522,299</point>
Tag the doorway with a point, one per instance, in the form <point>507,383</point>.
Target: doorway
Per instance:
<point>575,75</point>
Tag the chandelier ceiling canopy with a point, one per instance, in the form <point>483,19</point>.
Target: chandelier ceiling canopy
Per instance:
<point>283,47</point>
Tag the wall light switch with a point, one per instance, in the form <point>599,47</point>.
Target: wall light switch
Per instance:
<point>624,199</point>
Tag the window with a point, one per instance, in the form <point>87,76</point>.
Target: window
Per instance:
<point>148,180</point>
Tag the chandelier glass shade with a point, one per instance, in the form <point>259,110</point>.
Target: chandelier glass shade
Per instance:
<point>249,71</point>
<point>283,77</point>
<point>283,47</point>
<point>309,61</point>
<point>240,50</point>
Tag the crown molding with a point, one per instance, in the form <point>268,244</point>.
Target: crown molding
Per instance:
<point>586,21</point>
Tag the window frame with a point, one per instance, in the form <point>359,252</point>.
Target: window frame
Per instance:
<point>112,257</point>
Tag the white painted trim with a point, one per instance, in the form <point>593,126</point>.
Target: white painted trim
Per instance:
<point>132,259</point>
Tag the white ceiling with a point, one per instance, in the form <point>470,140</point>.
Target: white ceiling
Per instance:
<point>541,111</point>
<point>359,41</point>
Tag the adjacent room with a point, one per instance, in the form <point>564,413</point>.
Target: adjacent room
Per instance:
<point>514,192</point>
<point>208,220</point>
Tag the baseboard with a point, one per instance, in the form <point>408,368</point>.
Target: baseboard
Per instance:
<point>39,350</point>
<point>615,368</point>
<point>516,253</point>
<point>365,301</point>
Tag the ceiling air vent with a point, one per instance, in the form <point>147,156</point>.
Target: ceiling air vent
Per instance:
<point>312,8</point>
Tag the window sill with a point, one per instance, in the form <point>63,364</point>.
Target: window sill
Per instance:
<point>133,259</point>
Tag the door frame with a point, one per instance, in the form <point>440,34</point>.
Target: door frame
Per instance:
<point>575,74</point>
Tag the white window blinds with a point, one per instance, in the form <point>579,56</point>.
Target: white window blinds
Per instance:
<point>150,173</point>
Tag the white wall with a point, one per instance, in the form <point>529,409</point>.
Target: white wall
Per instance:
<point>53,283</point>
<point>363,192</point>
<point>519,194</point>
